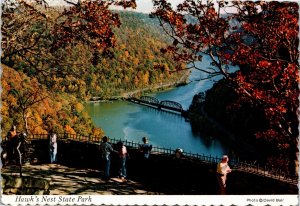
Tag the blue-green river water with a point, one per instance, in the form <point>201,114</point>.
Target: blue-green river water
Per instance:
<point>129,121</point>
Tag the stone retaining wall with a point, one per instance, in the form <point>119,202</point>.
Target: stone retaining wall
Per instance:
<point>12,184</point>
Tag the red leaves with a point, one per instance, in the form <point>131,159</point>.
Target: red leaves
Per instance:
<point>262,39</point>
<point>227,56</point>
<point>91,23</point>
<point>194,26</point>
<point>126,3</point>
<point>263,64</point>
<point>266,134</point>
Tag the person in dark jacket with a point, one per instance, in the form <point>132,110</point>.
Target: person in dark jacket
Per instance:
<point>106,150</point>
<point>145,148</point>
<point>12,143</point>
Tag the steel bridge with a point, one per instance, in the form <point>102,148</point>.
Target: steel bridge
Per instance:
<point>165,105</point>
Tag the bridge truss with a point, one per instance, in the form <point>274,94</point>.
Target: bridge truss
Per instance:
<point>171,104</point>
<point>149,99</point>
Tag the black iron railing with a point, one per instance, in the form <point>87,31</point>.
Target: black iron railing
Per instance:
<point>254,168</point>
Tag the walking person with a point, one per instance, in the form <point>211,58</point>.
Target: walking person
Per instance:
<point>52,146</point>
<point>122,152</point>
<point>106,150</point>
<point>222,170</point>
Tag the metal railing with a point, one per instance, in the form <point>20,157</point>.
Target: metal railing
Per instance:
<point>253,168</point>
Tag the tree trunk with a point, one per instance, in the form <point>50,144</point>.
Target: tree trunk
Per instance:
<point>25,121</point>
<point>20,158</point>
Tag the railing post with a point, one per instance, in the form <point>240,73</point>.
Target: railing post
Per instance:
<point>279,173</point>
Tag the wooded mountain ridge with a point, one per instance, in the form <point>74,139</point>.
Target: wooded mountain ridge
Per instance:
<point>62,88</point>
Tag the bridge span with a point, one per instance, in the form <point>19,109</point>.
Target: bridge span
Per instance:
<point>166,105</point>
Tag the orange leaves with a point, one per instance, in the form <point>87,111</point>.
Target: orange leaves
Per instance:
<point>264,64</point>
<point>55,110</point>
<point>69,129</point>
<point>78,107</point>
<point>96,132</point>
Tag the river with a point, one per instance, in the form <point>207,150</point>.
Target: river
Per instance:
<point>128,121</point>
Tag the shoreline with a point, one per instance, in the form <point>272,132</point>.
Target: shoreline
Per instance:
<point>158,87</point>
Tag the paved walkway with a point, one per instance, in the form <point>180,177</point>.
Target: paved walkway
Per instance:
<point>164,177</point>
<point>72,181</point>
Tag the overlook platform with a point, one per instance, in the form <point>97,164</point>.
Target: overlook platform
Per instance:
<point>166,176</point>
<point>79,170</point>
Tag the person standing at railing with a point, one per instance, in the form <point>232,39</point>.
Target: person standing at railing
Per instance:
<point>145,148</point>
<point>12,143</point>
<point>106,150</point>
<point>178,153</point>
<point>52,146</point>
<point>222,170</point>
<point>123,154</point>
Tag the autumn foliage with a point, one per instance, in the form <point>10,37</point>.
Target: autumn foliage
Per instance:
<point>91,23</point>
<point>262,39</point>
<point>63,56</point>
<point>44,110</point>
<point>67,49</point>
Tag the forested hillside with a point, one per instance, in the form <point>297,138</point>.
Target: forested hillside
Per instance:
<point>26,101</point>
<point>60,79</point>
<point>138,62</point>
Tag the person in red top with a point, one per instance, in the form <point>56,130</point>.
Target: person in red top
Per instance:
<point>122,151</point>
